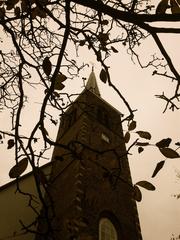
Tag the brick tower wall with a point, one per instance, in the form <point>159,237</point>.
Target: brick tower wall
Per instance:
<point>92,180</point>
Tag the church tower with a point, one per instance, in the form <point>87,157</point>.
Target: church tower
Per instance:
<point>91,186</point>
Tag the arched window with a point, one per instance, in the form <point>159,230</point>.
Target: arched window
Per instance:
<point>102,116</point>
<point>107,230</point>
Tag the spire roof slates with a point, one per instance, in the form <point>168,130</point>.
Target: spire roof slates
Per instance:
<point>92,84</point>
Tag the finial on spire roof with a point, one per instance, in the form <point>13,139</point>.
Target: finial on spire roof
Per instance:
<point>92,83</point>
<point>92,63</point>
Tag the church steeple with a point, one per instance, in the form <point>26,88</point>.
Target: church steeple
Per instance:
<point>90,185</point>
<point>92,84</point>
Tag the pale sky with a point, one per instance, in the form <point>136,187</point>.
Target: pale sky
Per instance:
<point>159,211</point>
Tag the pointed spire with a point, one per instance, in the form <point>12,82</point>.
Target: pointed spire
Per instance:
<point>92,84</point>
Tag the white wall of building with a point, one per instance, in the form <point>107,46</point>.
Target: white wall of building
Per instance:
<point>15,208</point>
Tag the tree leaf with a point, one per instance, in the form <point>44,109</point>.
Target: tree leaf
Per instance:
<point>140,149</point>
<point>162,7</point>
<point>10,143</point>
<point>177,144</point>
<point>17,11</point>
<point>103,75</point>
<point>142,144</point>
<point>105,22</point>
<point>82,42</point>
<point>137,194</point>
<point>58,85</point>
<point>37,12</point>
<point>19,168</point>
<point>10,4</point>
<point>147,185</point>
<point>24,6</point>
<point>175,9</point>
<point>47,66</point>
<point>61,77</point>
<point>2,12</point>
<point>114,49</point>
<point>98,55</point>
<point>103,37</point>
<point>132,126</point>
<point>158,168</point>
<point>169,153</point>
<point>56,94</point>
<point>144,134</point>
<point>34,13</point>
<point>164,143</point>
<point>41,13</point>
<point>127,137</point>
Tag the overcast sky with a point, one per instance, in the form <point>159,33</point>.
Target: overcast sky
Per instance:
<point>159,211</point>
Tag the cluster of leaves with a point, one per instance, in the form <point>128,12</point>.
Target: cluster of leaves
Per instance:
<point>142,134</point>
<point>167,152</point>
<point>144,184</point>
<point>163,147</point>
<point>47,67</point>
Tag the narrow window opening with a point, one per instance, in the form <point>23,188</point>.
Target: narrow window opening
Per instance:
<point>102,116</point>
<point>107,230</point>
<point>69,119</point>
<point>105,138</point>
